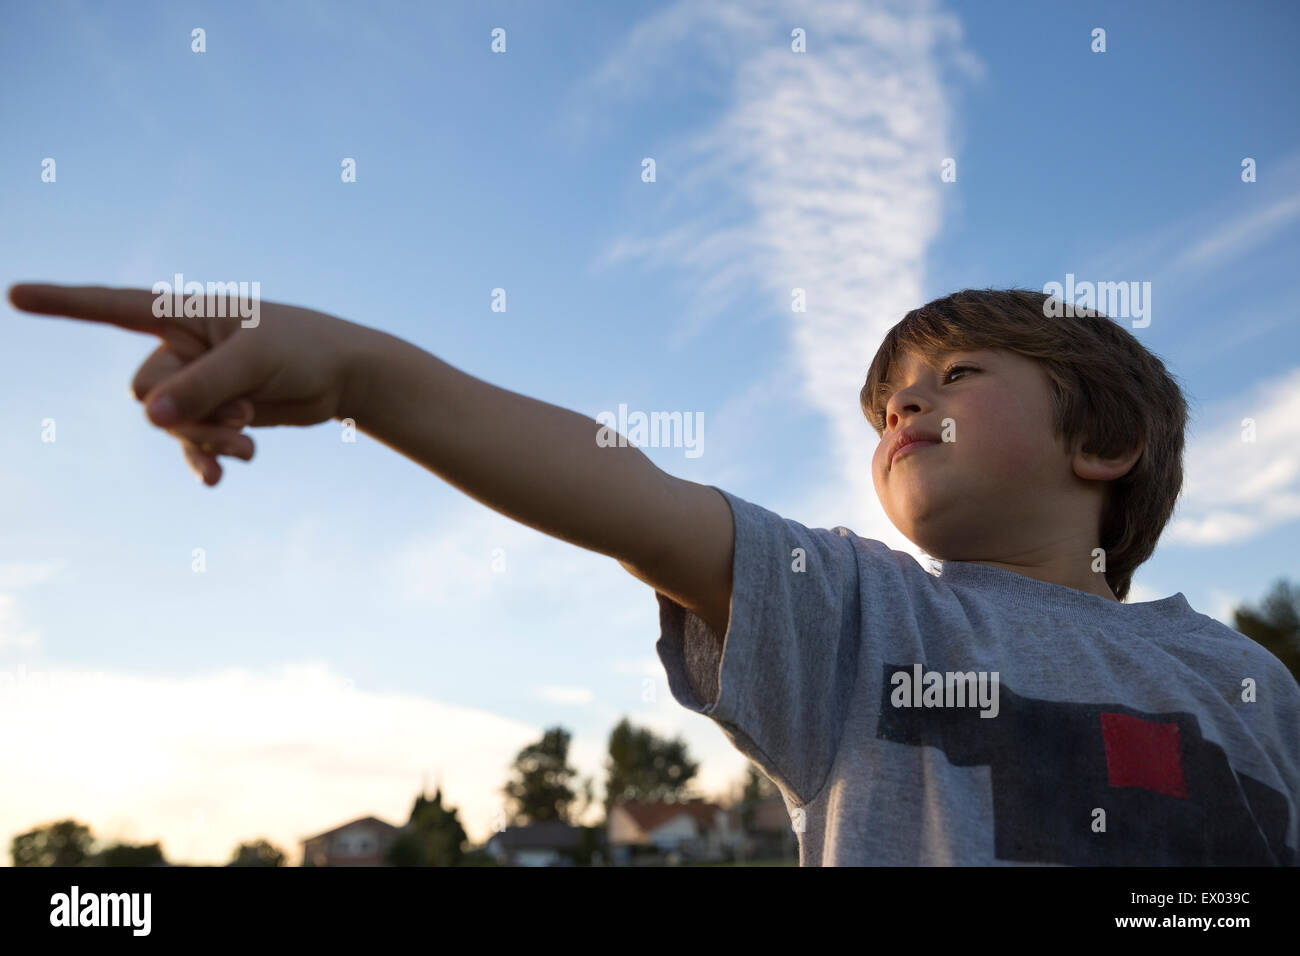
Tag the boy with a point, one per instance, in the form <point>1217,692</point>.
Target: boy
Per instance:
<point>1007,710</point>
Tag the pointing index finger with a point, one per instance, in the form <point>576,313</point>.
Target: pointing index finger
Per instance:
<point>126,308</point>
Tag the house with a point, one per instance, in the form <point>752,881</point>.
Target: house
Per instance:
<point>771,834</point>
<point>362,842</point>
<point>690,830</point>
<point>536,844</point>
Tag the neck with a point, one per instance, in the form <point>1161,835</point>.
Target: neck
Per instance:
<point>1065,573</point>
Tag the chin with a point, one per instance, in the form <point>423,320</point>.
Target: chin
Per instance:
<point>931,539</point>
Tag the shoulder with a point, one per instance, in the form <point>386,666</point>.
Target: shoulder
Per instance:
<point>1254,672</point>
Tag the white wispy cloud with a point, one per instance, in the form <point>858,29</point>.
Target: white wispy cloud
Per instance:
<point>202,763</point>
<point>1239,481</point>
<point>13,633</point>
<point>473,555</point>
<point>1223,605</point>
<point>1179,255</point>
<point>831,159</point>
<point>566,695</point>
<point>19,576</point>
<point>1238,235</point>
<point>648,666</point>
<point>1137,593</point>
<point>462,560</point>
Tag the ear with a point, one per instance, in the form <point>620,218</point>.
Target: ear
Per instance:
<point>1096,468</point>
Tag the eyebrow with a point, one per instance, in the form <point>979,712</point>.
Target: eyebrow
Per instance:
<point>893,367</point>
<point>888,381</point>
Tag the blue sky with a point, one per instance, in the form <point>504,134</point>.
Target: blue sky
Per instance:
<point>350,636</point>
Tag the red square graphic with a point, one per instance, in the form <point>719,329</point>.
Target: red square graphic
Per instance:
<point>1143,753</point>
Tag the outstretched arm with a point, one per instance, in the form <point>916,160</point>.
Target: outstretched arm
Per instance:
<point>541,465</point>
<point>534,462</point>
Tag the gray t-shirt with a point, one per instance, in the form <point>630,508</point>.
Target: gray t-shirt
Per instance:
<point>1056,728</point>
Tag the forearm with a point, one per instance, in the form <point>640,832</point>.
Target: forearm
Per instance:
<point>536,463</point>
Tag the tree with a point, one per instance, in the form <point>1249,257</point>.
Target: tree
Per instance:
<point>257,853</point>
<point>66,843</point>
<point>541,791</point>
<point>589,844</point>
<point>432,837</point>
<point>1275,624</point>
<point>588,792</point>
<point>757,788</point>
<point>643,766</point>
<point>128,854</point>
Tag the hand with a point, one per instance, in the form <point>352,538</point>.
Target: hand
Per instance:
<point>221,433</point>
<point>292,368</point>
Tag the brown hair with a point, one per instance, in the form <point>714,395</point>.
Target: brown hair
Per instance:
<point>1106,387</point>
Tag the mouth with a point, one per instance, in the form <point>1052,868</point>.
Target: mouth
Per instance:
<point>909,448</point>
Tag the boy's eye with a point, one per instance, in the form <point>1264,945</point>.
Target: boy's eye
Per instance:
<point>955,367</point>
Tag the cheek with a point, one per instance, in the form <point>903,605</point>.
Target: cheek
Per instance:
<point>878,471</point>
<point>1005,438</point>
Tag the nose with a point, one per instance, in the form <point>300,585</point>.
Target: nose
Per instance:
<point>904,403</point>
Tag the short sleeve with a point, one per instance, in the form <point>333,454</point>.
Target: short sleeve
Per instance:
<point>779,683</point>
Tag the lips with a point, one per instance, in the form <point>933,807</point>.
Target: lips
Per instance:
<point>907,449</point>
<point>909,436</point>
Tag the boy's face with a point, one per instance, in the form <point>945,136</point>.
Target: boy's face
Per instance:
<point>1004,487</point>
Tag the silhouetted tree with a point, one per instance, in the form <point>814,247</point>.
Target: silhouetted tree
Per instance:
<point>589,843</point>
<point>1275,624</point>
<point>66,843</point>
<point>128,854</point>
<point>257,853</point>
<point>643,766</point>
<point>757,787</point>
<point>587,790</point>
<point>541,791</point>
<point>434,836</point>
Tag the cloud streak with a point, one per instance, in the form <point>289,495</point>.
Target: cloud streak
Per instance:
<point>832,160</point>
<point>1236,486</point>
<point>19,576</point>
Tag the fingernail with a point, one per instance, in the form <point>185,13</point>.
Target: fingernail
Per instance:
<point>163,411</point>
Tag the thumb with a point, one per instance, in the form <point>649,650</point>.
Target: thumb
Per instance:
<point>220,375</point>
